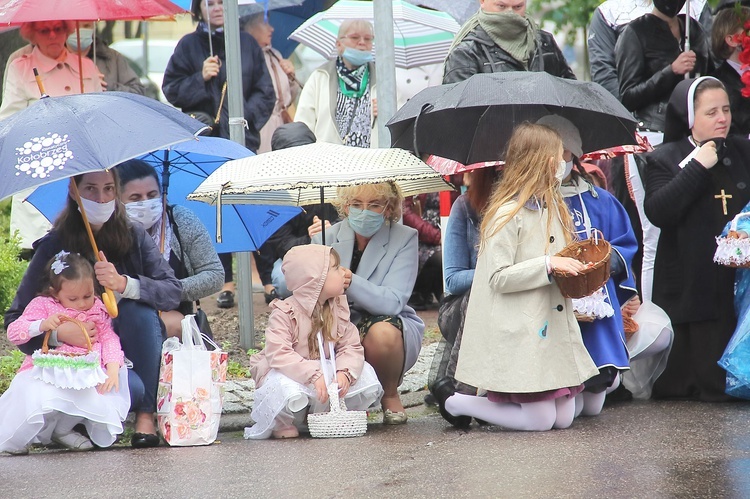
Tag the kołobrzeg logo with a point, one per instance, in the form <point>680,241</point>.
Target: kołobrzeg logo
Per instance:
<point>39,156</point>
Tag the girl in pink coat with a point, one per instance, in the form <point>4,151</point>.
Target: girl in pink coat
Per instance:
<point>35,409</point>
<point>287,372</point>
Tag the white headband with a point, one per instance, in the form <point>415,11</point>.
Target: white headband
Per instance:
<point>690,99</point>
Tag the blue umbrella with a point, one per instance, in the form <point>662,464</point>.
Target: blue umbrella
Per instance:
<point>245,227</point>
<point>59,137</point>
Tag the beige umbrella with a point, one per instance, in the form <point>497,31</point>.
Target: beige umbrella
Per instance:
<point>303,175</point>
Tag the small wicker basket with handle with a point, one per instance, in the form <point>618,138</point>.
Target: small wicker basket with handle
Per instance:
<point>595,253</point>
<point>65,369</point>
<point>338,422</point>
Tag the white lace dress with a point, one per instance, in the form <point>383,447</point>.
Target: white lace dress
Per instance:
<point>30,409</point>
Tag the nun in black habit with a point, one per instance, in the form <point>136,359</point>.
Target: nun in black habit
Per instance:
<point>695,183</point>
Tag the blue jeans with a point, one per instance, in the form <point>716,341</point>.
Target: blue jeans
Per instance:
<point>278,280</point>
<point>140,332</point>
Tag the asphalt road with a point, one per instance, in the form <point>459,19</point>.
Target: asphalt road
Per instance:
<point>634,449</point>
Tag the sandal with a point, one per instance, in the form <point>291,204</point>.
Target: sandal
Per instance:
<point>73,441</point>
<point>394,418</point>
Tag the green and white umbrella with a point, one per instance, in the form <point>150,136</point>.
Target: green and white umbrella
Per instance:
<point>421,36</point>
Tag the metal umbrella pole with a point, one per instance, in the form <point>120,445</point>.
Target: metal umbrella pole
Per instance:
<point>687,32</point>
<point>386,67</point>
<point>208,26</point>
<point>237,134</point>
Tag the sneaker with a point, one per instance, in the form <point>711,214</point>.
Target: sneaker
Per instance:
<point>225,299</point>
<point>73,441</point>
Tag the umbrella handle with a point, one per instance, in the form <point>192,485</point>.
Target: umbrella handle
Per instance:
<point>108,298</point>
<point>39,83</point>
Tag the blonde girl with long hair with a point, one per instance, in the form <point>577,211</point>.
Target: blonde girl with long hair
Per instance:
<point>288,372</point>
<point>521,343</point>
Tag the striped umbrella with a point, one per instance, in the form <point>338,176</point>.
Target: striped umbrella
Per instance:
<point>422,36</point>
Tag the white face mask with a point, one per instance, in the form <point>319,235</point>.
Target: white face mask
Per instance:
<point>97,213</point>
<point>568,168</point>
<point>560,173</point>
<point>146,213</point>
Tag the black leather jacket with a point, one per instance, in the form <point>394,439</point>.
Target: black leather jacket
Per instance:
<point>477,53</point>
<point>740,105</point>
<point>644,53</point>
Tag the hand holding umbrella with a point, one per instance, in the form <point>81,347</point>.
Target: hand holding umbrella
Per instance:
<point>108,298</point>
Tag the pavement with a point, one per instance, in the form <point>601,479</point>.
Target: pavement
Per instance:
<point>632,450</point>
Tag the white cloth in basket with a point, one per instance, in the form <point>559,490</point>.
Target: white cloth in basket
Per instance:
<point>595,305</point>
<point>30,407</point>
<point>733,251</point>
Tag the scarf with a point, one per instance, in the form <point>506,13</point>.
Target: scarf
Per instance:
<point>155,233</point>
<point>203,28</point>
<point>514,34</point>
<point>353,81</point>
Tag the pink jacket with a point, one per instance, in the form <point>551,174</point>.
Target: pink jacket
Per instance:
<point>287,351</point>
<point>27,326</point>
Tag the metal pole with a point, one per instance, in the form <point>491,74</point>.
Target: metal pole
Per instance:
<point>146,36</point>
<point>237,134</point>
<point>385,63</point>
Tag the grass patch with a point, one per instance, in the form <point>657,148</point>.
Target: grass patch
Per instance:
<point>237,370</point>
<point>431,335</point>
<point>9,365</point>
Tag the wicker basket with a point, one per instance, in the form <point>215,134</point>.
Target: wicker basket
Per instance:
<point>66,369</point>
<point>595,252</point>
<point>630,326</point>
<point>339,422</point>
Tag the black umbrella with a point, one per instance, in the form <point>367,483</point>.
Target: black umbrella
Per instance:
<point>472,121</point>
<point>401,125</point>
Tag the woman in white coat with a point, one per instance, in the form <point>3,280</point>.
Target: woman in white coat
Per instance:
<point>521,342</point>
<point>381,260</point>
<point>338,102</point>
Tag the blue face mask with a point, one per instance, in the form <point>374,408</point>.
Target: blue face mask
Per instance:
<point>365,222</point>
<point>87,38</point>
<point>357,57</point>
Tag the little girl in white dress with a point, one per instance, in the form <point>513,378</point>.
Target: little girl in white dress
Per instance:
<point>287,372</point>
<point>36,408</point>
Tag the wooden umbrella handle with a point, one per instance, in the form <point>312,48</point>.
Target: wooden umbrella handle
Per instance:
<point>108,298</point>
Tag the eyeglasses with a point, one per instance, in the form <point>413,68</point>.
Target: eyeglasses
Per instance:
<point>375,206</point>
<point>357,38</point>
<point>58,30</point>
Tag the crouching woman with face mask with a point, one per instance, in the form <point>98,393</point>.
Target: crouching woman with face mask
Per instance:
<point>381,259</point>
<point>130,266</point>
<point>186,244</point>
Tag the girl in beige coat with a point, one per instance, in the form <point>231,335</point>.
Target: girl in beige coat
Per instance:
<point>287,372</point>
<point>521,341</point>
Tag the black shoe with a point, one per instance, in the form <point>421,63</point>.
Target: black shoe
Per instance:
<point>430,400</point>
<point>442,389</point>
<point>417,302</point>
<point>225,299</point>
<point>270,296</point>
<point>144,440</point>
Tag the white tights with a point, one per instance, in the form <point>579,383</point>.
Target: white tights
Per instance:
<point>532,416</point>
<point>591,404</point>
